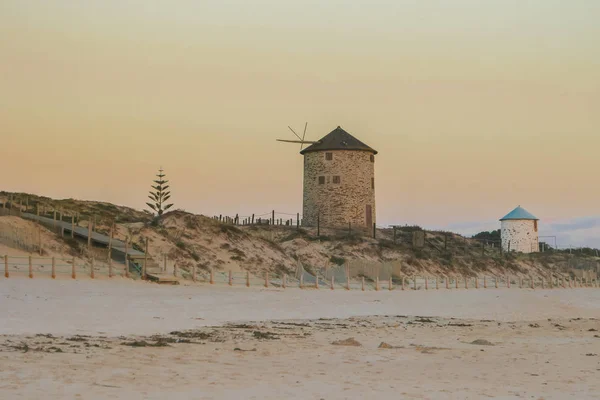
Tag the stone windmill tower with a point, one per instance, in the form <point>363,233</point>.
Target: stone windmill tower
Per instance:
<point>519,231</point>
<point>339,181</point>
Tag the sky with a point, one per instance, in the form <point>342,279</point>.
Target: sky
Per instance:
<point>474,106</point>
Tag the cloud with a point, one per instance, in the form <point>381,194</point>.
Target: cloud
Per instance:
<point>576,224</point>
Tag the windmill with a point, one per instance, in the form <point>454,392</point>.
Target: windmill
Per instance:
<point>301,139</point>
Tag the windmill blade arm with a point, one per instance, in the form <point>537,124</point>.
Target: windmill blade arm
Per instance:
<point>303,135</point>
<point>297,141</point>
<point>295,134</point>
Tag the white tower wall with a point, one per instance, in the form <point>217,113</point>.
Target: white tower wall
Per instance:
<point>520,235</point>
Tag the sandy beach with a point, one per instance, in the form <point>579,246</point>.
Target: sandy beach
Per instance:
<point>134,340</point>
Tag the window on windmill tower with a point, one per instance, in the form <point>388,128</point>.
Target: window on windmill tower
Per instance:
<point>321,180</point>
<point>535,226</point>
<point>336,179</point>
<point>372,183</point>
<point>372,158</point>
<point>329,156</point>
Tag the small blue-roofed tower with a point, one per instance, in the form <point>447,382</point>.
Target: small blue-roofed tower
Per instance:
<point>519,231</point>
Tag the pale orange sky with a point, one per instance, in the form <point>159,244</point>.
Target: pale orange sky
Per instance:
<point>475,107</point>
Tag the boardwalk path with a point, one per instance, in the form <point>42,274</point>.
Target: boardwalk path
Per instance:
<point>98,238</point>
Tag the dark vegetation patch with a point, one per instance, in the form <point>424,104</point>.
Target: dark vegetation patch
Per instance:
<point>192,334</point>
<point>142,343</point>
<point>265,335</point>
<point>337,260</point>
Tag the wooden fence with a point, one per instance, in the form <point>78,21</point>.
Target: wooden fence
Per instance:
<point>72,268</point>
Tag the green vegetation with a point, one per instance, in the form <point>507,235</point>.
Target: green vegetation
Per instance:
<point>491,236</point>
<point>160,194</point>
<point>337,260</point>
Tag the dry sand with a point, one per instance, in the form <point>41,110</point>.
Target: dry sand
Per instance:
<point>542,344</point>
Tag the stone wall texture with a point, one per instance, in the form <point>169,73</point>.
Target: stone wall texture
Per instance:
<point>343,202</point>
<point>521,234</point>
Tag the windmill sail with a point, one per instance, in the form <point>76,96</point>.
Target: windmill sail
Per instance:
<point>297,141</point>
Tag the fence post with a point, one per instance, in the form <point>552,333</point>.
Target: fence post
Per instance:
<point>212,277</point>
<point>230,278</point>
<point>426,283</point>
<point>466,282</point>
<point>347,281</point>
<point>73,269</point>
<point>543,283</point>
<point>456,282</point>
<point>476,282</point>
<point>437,283</point>
<point>89,233</point>
<point>332,281</point>
<point>40,237</point>
<point>496,281</point>
<point>72,226</point>
<point>508,281</point>
<point>194,273</point>
<point>283,281</point>
<point>403,282</point>
<point>247,278</point>
<point>6,275</point>
<point>145,261</point>
<point>447,282</point>
<point>298,221</point>
<point>301,282</point>
<point>30,268</point>
<point>316,280</point>
<point>127,258</point>
<point>273,218</point>
<point>484,282</point>
<point>165,262</point>
<point>374,230</point>
<point>391,284</point>
<point>414,283</point>
<point>363,283</point>
<point>267,277</point>
<point>92,268</point>
<point>252,219</point>
<point>175,269</point>
<point>53,268</point>
<point>532,283</point>
<point>377,283</point>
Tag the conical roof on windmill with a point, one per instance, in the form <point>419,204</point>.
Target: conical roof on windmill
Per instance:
<point>519,213</point>
<point>338,139</point>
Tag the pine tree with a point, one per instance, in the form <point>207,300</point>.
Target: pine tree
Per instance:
<point>159,194</point>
